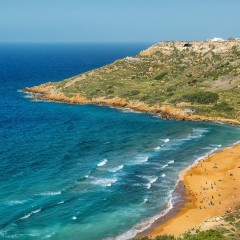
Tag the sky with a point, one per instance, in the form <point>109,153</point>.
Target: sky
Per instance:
<point>102,21</point>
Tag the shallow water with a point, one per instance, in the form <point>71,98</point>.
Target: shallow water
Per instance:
<point>85,172</point>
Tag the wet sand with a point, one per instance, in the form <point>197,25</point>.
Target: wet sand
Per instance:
<point>212,188</point>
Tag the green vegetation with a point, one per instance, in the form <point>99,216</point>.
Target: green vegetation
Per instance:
<point>204,235</point>
<point>161,75</point>
<point>223,106</point>
<point>169,74</point>
<point>229,231</point>
<point>201,97</point>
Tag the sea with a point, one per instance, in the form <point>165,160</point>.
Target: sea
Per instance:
<point>85,172</point>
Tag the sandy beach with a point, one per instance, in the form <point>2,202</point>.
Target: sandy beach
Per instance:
<point>212,188</point>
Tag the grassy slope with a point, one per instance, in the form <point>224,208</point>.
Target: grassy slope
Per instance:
<point>168,78</point>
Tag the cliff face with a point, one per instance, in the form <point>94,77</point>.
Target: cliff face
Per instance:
<point>179,80</point>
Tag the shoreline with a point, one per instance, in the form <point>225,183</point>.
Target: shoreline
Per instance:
<point>176,207</point>
<point>166,111</point>
<point>180,191</point>
<point>187,214</point>
<point>185,203</point>
<point>177,201</point>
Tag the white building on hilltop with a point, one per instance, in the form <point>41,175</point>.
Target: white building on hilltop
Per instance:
<point>216,39</point>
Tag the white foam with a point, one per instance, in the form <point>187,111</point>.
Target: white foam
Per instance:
<point>197,133</point>
<point>157,148</point>
<point>129,110</point>
<point>157,115</point>
<point>113,170</point>
<point>145,200</point>
<point>36,211</point>
<point>207,148</point>
<point>74,218</point>
<point>200,130</point>
<point>60,202</point>
<point>102,163</point>
<point>216,145</point>
<point>28,96</point>
<point>151,180</point>
<point>163,175</point>
<point>164,166</point>
<point>171,162</point>
<point>16,202</point>
<point>148,222</point>
<point>140,227</point>
<point>26,216</point>
<point>31,213</point>
<point>50,235</point>
<point>50,193</point>
<point>104,182</point>
<point>141,159</point>
<point>148,185</point>
<point>35,234</point>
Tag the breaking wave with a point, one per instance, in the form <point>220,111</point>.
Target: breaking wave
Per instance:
<point>150,179</point>
<point>102,163</point>
<point>104,182</point>
<point>50,193</point>
<point>140,227</point>
<point>113,170</point>
<point>16,202</point>
<point>31,213</point>
<point>141,159</point>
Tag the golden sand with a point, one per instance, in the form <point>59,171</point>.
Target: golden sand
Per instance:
<point>213,189</point>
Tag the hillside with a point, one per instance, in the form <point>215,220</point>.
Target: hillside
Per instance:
<point>179,80</point>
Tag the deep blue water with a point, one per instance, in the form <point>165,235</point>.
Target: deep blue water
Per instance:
<point>85,172</point>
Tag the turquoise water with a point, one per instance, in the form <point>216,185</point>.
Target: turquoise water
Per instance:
<point>85,172</point>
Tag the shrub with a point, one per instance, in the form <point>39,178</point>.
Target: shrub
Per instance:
<point>161,75</point>
<point>165,237</point>
<point>192,82</point>
<point>230,218</point>
<point>223,106</point>
<point>134,92</point>
<point>238,207</point>
<point>201,235</point>
<point>201,97</point>
<point>130,93</point>
<point>206,235</point>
